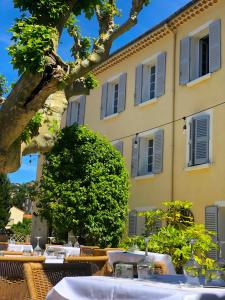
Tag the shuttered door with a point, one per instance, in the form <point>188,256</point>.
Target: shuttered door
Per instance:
<point>119,146</point>
<point>185,60</point>
<point>68,115</point>
<point>201,125</point>
<point>211,224</point>
<point>82,110</point>
<point>215,46</point>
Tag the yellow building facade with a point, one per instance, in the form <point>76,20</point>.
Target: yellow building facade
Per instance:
<point>161,100</point>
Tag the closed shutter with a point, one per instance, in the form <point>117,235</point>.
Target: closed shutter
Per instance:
<point>160,74</point>
<point>145,83</point>
<point>138,84</point>
<point>215,46</point>
<point>132,220</point>
<point>68,115</point>
<point>74,112</point>
<point>158,151</point>
<point>82,110</point>
<point>201,125</point>
<point>134,159</point>
<point>110,99</point>
<point>185,60</point>
<point>140,229</point>
<point>122,92</point>
<point>104,100</point>
<point>194,58</point>
<point>119,146</point>
<point>211,224</point>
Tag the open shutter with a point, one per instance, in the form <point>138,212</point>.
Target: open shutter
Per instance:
<point>132,222</point>
<point>143,157</point>
<point>185,60</point>
<point>211,224</point>
<point>104,100</point>
<point>119,146</point>
<point>191,144</point>
<point>201,125</point>
<point>158,151</point>
<point>110,100</point>
<point>74,112</point>
<point>194,58</point>
<point>122,92</point>
<point>145,83</point>
<point>215,46</point>
<point>135,154</point>
<point>82,110</point>
<point>138,84</point>
<point>68,115</point>
<point>160,74</point>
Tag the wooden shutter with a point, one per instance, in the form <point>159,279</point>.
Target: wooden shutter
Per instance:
<point>191,143</point>
<point>122,92</point>
<point>160,74</point>
<point>215,46</point>
<point>185,60</point>
<point>82,110</point>
<point>211,224</point>
<point>138,84</point>
<point>132,220</point>
<point>104,100</point>
<point>140,228</point>
<point>110,99</point>
<point>201,125</point>
<point>119,146</point>
<point>143,157</point>
<point>134,159</point>
<point>194,58</point>
<point>145,83</point>
<point>158,151</point>
<point>74,112</point>
<point>68,115</point>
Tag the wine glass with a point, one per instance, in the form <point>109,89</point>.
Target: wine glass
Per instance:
<point>77,245</point>
<point>37,249</point>
<point>145,267</point>
<point>51,238</point>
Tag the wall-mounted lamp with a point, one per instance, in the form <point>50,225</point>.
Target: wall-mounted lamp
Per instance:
<point>136,141</point>
<point>185,125</point>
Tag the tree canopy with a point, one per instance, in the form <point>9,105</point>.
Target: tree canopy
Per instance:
<point>31,113</point>
<point>84,188</point>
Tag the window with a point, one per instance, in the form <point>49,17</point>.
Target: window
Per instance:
<point>150,79</point>
<point>76,111</point>
<point>199,138</point>
<point>200,52</point>
<point>113,96</point>
<point>147,154</point>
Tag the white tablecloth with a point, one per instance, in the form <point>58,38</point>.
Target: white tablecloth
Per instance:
<point>117,255</point>
<point>70,251</point>
<point>19,247</point>
<point>106,288</point>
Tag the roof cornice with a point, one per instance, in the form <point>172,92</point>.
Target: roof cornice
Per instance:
<point>186,13</point>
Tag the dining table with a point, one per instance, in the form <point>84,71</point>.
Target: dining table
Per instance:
<point>108,288</point>
<point>20,247</point>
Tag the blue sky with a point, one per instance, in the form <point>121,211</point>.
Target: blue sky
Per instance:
<point>150,16</point>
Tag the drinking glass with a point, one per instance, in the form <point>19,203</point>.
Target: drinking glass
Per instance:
<point>145,267</point>
<point>123,270</point>
<point>51,238</point>
<point>76,244</point>
<point>37,249</point>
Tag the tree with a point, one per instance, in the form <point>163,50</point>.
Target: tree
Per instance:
<point>22,228</point>
<point>84,188</point>
<point>34,107</point>
<point>5,189</point>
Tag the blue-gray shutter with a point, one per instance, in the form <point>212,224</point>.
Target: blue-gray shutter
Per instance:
<point>145,83</point>
<point>82,110</point>
<point>138,84</point>
<point>143,157</point>
<point>185,60</point>
<point>191,143</point>
<point>132,222</point>
<point>194,58</point>
<point>211,224</point>
<point>134,159</point>
<point>104,100</point>
<point>140,227</point>
<point>110,100</point>
<point>68,115</point>
<point>160,74</point>
<point>122,92</point>
<point>215,46</point>
<point>201,125</point>
<point>119,146</point>
<point>74,112</point>
<point>158,151</point>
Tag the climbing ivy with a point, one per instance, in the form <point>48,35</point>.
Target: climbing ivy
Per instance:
<point>32,128</point>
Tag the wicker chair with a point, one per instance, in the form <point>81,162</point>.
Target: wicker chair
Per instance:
<point>42,277</point>
<point>12,252</point>
<point>12,280</point>
<point>3,246</point>
<point>100,266</point>
<point>87,250</point>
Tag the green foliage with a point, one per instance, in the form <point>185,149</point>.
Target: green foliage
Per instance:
<point>84,188</point>
<point>5,189</point>
<point>90,81</point>
<point>22,228</point>
<point>32,128</point>
<point>31,43</point>
<point>3,85</point>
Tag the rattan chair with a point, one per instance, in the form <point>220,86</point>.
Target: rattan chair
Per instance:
<point>42,277</point>
<point>12,279</point>
<point>3,246</point>
<point>12,253</point>
<point>87,250</point>
<point>100,266</point>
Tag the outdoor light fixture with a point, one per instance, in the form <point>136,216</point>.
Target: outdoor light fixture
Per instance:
<point>136,141</point>
<point>185,126</point>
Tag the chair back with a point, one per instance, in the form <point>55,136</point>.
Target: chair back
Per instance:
<point>42,277</point>
<point>12,253</point>
<point>12,279</point>
<point>3,246</point>
<point>87,250</point>
<point>100,266</point>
